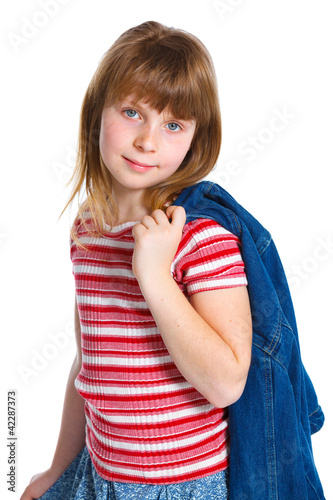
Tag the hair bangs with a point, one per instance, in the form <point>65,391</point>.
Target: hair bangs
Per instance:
<point>163,79</point>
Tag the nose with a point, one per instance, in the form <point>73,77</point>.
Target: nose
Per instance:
<point>146,139</point>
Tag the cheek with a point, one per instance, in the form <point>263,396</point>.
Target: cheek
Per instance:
<point>109,140</point>
<point>181,151</point>
<point>181,146</point>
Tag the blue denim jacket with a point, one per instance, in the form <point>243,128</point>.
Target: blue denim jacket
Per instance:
<point>271,424</point>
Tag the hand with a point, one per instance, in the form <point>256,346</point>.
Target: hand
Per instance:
<point>39,485</point>
<point>156,242</point>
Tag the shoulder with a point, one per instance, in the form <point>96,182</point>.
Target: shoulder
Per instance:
<point>205,239</point>
<point>204,229</point>
<point>84,225</point>
<point>208,257</point>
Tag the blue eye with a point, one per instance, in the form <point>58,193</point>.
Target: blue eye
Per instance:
<point>173,126</point>
<point>130,113</point>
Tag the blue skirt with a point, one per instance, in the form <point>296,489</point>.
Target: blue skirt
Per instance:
<point>80,481</point>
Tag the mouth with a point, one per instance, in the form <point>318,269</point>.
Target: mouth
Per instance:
<point>138,166</point>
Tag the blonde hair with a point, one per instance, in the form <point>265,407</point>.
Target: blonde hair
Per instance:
<point>169,68</point>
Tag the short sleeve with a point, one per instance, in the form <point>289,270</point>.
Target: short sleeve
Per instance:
<point>208,258</point>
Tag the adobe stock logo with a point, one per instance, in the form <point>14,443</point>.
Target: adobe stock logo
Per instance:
<point>44,355</point>
<point>39,19</point>
<point>224,7</point>
<point>300,272</point>
<point>254,145</point>
<point>64,170</point>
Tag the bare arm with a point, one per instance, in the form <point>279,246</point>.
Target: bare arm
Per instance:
<point>210,337</point>
<point>72,430</point>
<point>71,438</point>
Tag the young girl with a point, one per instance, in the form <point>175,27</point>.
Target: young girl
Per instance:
<point>162,315</point>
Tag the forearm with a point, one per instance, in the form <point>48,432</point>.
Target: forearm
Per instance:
<point>205,360</point>
<point>71,438</point>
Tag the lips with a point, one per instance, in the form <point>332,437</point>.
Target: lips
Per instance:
<point>138,166</point>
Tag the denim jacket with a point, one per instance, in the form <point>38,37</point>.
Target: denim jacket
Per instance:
<point>272,422</point>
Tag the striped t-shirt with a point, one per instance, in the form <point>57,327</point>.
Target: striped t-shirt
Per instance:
<point>145,422</point>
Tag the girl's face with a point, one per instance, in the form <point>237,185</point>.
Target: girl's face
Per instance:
<point>141,147</point>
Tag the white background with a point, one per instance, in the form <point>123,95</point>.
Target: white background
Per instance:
<point>271,57</point>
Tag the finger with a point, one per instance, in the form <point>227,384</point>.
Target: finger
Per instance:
<point>169,211</point>
<point>148,221</point>
<point>138,229</point>
<point>177,215</point>
<point>159,215</point>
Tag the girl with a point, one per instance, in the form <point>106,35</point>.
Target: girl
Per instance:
<point>162,315</point>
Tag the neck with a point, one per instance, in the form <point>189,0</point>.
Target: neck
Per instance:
<point>130,205</point>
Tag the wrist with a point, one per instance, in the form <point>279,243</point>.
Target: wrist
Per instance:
<point>54,472</point>
<point>157,286</point>
<point>155,280</point>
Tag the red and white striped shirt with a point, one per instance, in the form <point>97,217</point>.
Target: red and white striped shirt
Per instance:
<point>145,422</point>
